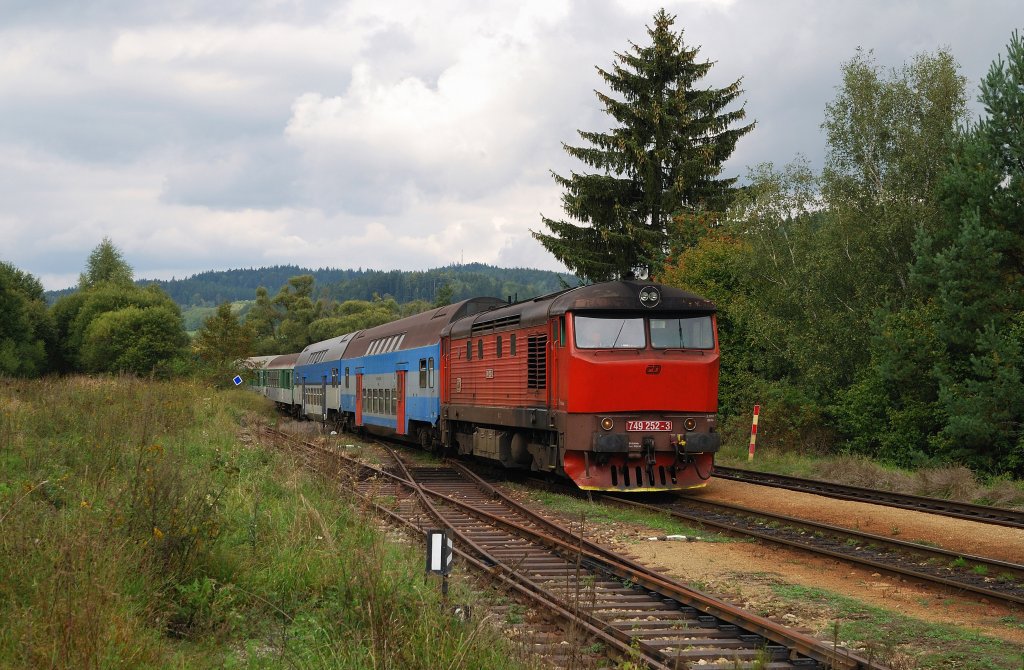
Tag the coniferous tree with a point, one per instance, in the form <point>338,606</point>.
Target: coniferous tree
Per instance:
<point>972,271</point>
<point>662,160</point>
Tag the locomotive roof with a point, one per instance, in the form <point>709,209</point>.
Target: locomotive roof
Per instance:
<point>417,330</point>
<point>613,296</point>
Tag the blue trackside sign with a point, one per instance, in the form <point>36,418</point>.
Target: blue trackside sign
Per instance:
<point>237,380</point>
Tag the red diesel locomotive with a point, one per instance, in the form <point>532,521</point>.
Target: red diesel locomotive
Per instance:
<point>614,385</point>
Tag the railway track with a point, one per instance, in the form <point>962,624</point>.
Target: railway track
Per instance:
<point>635,613</point>
<point>951,508</point>
<point>996,580</point>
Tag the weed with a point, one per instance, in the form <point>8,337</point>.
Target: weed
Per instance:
<point>958,563</point>
<point>137,531</point>
<point>898,641</point>
<point>980,570</point>
<point>514,614</point>
<point>606,514</point>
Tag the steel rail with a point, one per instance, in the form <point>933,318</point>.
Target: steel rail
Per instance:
<point>596,558</point>
<point>627,569</point>
<point>1014,597</point>
<point>489,565</point>
<point>951,508</point>
<point>608,634</point>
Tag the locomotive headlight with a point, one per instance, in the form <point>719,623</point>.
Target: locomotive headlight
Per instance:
<point>690,424</point>
<point>607,423</point>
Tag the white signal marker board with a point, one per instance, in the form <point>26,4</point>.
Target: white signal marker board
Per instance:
<point>439,552</point>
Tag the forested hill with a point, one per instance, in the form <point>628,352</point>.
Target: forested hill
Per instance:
<point>466,281</point>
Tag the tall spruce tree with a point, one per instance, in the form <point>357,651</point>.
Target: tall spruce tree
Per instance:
<point>661,161</point>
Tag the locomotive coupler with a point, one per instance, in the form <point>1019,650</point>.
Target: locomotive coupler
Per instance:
<point>648,443</point>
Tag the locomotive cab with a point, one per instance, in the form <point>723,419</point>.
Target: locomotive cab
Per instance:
<point>640,390</point>
<point>614,385</point>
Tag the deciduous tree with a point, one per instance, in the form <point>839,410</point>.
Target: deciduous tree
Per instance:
<point>106,263</point>
<point>112,325</point>
<point>223,339</point>
<point>26,328</point>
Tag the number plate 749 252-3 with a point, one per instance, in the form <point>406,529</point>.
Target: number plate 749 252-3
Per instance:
<point>648,426</point>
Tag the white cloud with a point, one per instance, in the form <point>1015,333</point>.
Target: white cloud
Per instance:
<point>381,133</point>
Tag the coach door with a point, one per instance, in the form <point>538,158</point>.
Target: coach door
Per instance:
<point>359,398</point>
<point>400,398</point>
<point>323,397</point>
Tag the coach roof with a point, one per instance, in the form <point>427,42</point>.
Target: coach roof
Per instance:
<point>418,330</point>
<point>325,350</point>
<point>285,362</point>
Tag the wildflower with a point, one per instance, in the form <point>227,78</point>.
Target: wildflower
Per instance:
<point>157,533</point>
<point>86,504</point>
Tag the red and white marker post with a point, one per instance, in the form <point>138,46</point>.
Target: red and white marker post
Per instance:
<point>753,433</point>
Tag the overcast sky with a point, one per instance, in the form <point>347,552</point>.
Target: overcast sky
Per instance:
<point>385,134</point>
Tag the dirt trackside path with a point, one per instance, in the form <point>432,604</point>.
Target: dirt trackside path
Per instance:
<point>972,537</point>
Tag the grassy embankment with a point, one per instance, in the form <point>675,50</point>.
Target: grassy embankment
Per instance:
<point>136,530</point>
<point>952,482</point>
<point>907,643</point>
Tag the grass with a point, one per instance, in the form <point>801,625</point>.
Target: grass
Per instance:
<point>951,482</point>
<point>137,530</point>
<point>903,642</point>
<point>608,515</point>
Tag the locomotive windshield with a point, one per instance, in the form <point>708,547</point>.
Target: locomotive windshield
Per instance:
<point>683,333</point>
<point>609,333</point>
<point>595,332</point>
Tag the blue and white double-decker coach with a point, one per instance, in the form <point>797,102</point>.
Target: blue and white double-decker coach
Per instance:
<point>390,374</point>
<point>317,379</point>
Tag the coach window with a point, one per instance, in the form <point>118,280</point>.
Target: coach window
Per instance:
<point>387,401</point>
<point>480,348</point>
<point>394,402</point>
<point>334,377</point>
<point>430,372</point>
<point>512,344</point>
<point>497,347</point>
<point>469,350</point>
<point>346,377</point>
<point>423,373</point>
